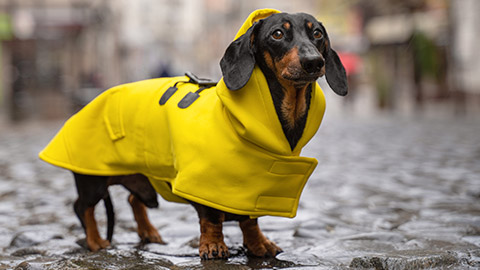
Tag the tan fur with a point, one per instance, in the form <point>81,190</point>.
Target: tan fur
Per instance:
<point>94,241</point>
<point>146,231</point>
<point>269,60</point>
<point>294,103</point>
<point>256,243</point>
<point>211,240</point>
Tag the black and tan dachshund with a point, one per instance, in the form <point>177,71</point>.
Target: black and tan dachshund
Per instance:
<point>292,51</point>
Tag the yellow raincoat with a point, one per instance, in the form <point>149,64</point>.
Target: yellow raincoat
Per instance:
<point>227,150</point>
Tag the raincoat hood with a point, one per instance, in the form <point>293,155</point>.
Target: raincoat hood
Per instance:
<point>225,150</point>
<point>260,124</point>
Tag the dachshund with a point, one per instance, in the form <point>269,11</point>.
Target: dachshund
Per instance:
<point>292,51</point>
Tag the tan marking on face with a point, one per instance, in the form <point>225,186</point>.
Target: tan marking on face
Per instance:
<point>287,25</point>
<point>294,104</point>
<point>310,25</point>
<point>287,64</point>
<point>268,60</point>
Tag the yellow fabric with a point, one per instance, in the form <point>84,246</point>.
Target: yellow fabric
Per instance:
<point>227,150</point>
<point>253,18</point>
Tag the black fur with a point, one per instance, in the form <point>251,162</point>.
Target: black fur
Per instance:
<point>239,60</point>
<point>335,72</point>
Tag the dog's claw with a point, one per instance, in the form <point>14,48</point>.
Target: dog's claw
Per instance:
<point>213,251</point>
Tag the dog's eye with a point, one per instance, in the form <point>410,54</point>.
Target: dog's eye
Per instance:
<point>317,34</point>
<point>277,34</point>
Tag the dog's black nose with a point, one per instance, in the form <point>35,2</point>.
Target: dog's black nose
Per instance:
<point>312,64</point>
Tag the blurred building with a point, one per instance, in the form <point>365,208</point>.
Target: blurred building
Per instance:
<point>408,50</point>
<point>54,48</point>
<point>56,55</point>
<point>422,52</point>
<point>465,66</point>
<point>59,54</point>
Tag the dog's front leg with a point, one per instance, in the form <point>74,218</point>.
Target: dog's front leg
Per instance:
<point>256,243</point>
<point>211,240</point>
<point>211,244</point>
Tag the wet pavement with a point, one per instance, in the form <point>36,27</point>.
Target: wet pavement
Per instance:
<point>388,193</point>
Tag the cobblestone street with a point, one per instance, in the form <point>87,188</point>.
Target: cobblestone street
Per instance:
<point>388,193</point>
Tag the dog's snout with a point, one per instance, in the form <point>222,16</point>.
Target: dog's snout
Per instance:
<point>312,64</point>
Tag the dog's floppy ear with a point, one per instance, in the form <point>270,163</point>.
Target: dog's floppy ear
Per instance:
<point>239,60</point>
<point>334,70</point>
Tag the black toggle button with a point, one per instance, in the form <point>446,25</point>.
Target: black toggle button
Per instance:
<point>168,94</point>
<point>188,100</point>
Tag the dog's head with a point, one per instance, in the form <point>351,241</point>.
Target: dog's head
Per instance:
<point>295,47</point>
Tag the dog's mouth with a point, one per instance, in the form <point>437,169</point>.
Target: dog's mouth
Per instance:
<point>299,77</point>
<point>304,79</point>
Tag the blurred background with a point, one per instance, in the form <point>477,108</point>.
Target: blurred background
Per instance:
<point>404,57</point>
<point>397,186</point>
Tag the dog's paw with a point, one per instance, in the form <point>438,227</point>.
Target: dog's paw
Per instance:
<point>213,250</point>
<point>150,236</point>
<point>264,248</point>
<point>95,244</point>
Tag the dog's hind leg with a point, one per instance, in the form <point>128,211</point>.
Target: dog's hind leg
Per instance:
<point>147,232</point>
<point>256,243</point>
<point>110,216</point>
<point>91,189</point>
<point>94,241</point>
<point>142,195</point>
